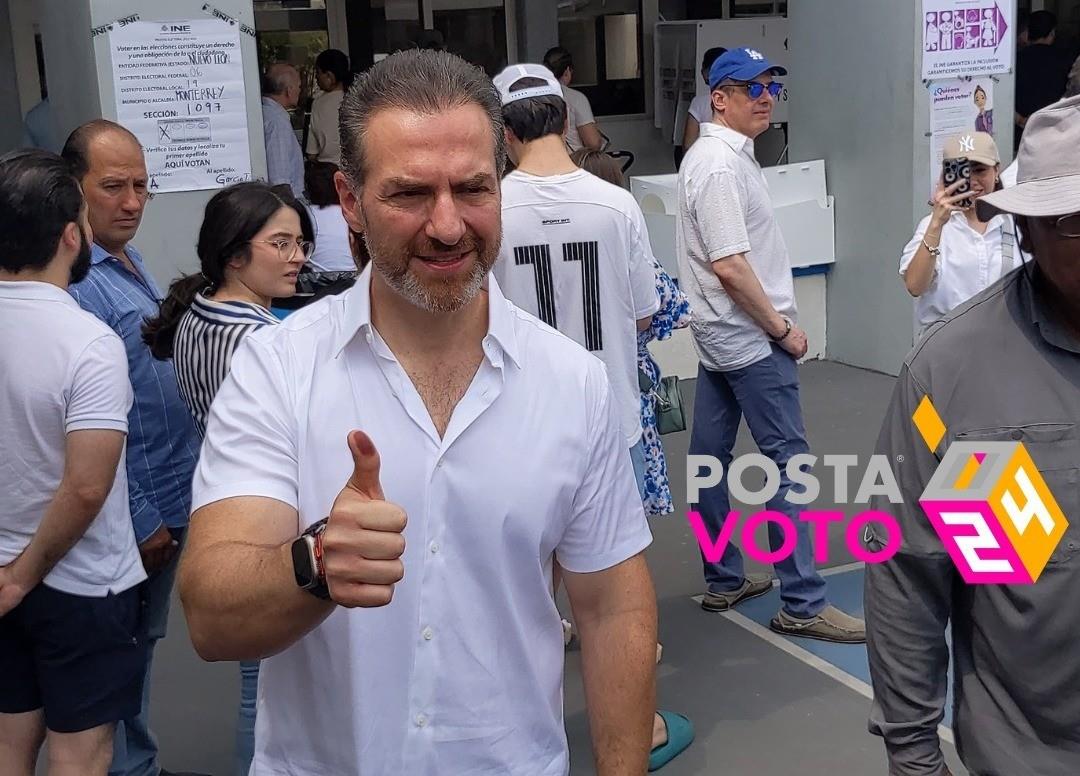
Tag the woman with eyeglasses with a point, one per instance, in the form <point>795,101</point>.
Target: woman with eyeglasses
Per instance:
<point>954,254</point>
<point>254,240</point>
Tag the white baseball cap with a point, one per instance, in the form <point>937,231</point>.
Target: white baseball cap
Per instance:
<point>511,75</point>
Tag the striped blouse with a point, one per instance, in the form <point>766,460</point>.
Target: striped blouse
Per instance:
<point>206,339</point>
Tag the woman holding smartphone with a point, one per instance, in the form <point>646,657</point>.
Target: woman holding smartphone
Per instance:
<point>254,240</point>
<point>954,254</point>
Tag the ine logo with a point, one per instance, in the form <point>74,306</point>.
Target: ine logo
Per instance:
<point>991,507</point>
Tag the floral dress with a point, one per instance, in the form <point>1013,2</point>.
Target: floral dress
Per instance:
<point>674,313</point>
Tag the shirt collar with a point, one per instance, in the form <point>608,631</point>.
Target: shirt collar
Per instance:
<point>1049,329</point>
<point>356,318</point>
<point>736,140</point>
<point>99,254</point>
<point>37,290</point>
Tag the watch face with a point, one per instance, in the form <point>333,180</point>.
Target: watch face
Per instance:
<point>302,567</point>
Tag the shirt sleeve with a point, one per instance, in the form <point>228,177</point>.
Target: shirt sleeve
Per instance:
<point>908,602</point>
<point>583,110</point>
<point>99,394</point>
<point>642,268</point>
<point>607,525</point>
<point>315,142</point>
<point>250,443</point>
<point>718,213</point>
<point>913,246</point>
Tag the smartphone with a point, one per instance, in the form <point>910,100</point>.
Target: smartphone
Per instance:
<point>958,170</point>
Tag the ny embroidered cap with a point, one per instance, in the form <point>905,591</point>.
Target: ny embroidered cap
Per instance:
<point>1048,166</point>
<point>976,146</point>
<point>511,75</point>
<point>741,64</point>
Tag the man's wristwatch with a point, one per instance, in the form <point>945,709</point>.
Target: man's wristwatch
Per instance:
<point>788,324</point>
<point>307,558</point>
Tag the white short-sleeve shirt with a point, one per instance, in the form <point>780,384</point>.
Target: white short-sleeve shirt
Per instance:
<point>724,208</point>
<point>323,139</point>
<point>462,672</point>
<point>332,252</point>
<point>61,370</point>
<point>578,114</point>
<point>969,262</point>
<point>576,254</point>
<point>701,108</point>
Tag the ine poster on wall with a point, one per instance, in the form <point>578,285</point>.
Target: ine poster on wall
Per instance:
<point>958,107</point>
<point>967,37</point>
<point>180,89</point>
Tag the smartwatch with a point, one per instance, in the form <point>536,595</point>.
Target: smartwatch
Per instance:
<point>307,558</point>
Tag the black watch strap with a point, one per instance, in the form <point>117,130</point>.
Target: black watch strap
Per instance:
<point>307,561</point>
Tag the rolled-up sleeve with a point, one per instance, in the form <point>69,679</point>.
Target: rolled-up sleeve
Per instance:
<point>250,447</point>
<point>718,212</point>
<point>607,525</point>
<point>908,603</point>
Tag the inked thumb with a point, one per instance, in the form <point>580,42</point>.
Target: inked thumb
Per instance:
<point>365,476</point>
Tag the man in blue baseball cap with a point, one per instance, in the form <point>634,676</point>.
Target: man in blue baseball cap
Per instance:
<point>736,271</point>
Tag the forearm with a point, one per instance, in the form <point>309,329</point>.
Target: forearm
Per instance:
<point>744,288</point>
<point>66,519</point>
<point>920,272</point>
<point>619,674</point>
<point>242,602</point>
<point>907,611</point>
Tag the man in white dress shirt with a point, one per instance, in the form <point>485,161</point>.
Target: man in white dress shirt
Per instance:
<point>402,599</point>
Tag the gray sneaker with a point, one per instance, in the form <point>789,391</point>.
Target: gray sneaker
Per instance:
<point>831,625</point>
<point>753,586</point>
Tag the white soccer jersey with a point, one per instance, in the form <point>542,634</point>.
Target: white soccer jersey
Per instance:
<point>576,254</point>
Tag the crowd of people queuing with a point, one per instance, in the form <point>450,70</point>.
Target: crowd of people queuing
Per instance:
<point>371,502</point>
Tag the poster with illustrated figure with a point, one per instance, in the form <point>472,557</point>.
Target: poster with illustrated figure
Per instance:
<point>958,106</point>
<point>180,88</point>
<point>967,37</point>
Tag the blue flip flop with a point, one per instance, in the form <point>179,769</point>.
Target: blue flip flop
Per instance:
<point>680,734</point>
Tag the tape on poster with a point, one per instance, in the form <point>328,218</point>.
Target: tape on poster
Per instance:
<point>101,29</point>
<point>217,13</point>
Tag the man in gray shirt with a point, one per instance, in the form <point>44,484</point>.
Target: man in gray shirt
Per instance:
<point>1002,368</point>
<point>284,159</point>
<point>737,274</point>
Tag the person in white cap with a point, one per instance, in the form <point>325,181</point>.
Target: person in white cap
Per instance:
<point>1002,368</point>
<point>954,254</point>
<point>576,254</point>
<point>388,481</point>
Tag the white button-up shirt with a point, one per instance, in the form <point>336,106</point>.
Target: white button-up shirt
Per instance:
<point>969,262</point>
<point>725,209</point>
<point>462,672</point>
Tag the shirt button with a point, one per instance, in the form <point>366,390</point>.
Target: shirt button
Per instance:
<point>1017,434</point>
<point>434,547</point>
<point>421,720</point>
<point>428,634</point>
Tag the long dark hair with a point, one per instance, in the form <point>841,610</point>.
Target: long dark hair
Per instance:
<point>232,219</point>
<point>337,63</point>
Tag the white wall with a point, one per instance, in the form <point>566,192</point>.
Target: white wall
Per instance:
<point>857,101</point>
<point>81,88</point>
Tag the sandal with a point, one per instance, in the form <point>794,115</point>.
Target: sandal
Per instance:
<point>680,734</point>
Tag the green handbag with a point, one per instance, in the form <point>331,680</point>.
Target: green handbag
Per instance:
<point>670,416</point>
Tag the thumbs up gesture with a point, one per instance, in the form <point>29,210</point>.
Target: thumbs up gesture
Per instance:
<point>363,542</point>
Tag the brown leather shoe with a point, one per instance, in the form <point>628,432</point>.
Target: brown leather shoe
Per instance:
<point>753,586</point>
<point>831,625</point>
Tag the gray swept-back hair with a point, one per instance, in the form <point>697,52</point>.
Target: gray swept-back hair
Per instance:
<point>422,81</point>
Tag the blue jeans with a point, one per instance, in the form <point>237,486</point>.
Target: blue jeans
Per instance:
<point>766,393</point>
<point>245,723</point>
<point>135,748</point>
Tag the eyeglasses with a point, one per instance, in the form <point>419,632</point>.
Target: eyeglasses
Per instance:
<point>287,248</point>
<point>755,89</point>
<point>1068,226</point>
